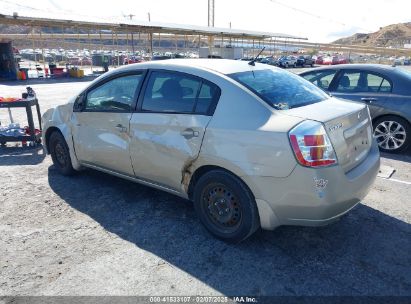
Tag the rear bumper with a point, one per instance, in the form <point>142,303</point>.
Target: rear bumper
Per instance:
<point>313,197</point>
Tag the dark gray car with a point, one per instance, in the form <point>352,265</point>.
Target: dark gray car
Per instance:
<point>385,89</point>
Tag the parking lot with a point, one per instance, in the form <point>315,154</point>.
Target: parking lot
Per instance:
<point>94,234</point>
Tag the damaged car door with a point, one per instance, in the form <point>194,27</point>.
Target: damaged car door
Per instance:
<point>168,127</point>
<point>100,123</point>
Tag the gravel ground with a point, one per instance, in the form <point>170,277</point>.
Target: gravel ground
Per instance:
<point>93,234</point>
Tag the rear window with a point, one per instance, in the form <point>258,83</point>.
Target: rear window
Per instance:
<point>280,89</point>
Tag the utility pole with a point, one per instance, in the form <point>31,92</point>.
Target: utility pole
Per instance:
<point>132,34</point>
<point>211,7</point>
<point>230,36</point>
<point>150,35</point>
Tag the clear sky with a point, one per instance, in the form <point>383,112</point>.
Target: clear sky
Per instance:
<point>318,20</point>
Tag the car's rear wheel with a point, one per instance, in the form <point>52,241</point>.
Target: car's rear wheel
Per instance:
<point>225,206</point>
<point>392,133</point>
<point>60,154</point>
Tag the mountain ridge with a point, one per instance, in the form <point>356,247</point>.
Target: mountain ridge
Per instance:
<point>393,35</point>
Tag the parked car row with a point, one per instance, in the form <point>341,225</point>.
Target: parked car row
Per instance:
<point>330,60</point>
<point>286,61</point>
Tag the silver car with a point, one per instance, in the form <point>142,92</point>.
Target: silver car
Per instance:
<point>251,145</point>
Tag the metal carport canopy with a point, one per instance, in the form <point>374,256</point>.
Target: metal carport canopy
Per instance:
<point>138,26</point>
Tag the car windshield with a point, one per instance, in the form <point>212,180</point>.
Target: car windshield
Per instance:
<point>281,90</point>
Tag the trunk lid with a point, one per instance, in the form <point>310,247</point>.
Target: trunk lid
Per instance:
<point>347,124</point>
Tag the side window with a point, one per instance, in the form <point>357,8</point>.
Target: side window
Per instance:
<point>357,82</point>
<point>310,76</point>
<point>116,95</point>
<point>177,93</point>
<point>190,88</point>
<point>207,96</point>
<point>349,82</point>
<point>377,83</point>
<point>385,86</point>
<point>321,79</point>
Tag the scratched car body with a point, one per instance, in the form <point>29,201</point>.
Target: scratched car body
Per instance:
<point>251,145</point>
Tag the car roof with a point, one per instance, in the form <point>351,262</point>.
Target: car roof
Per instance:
<point>370,67</point>
<point>223,66</point>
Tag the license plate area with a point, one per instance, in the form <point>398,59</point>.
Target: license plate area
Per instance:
<point>358,140</point>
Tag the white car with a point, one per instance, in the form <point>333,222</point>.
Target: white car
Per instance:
<point>287,61</point>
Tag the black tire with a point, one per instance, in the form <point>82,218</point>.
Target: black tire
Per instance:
<point>401,137</point>
<point>60,154</point>
<point>295,65</point>
<point>286,65</point>
<point>220,192</point>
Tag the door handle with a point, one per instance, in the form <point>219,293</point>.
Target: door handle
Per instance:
<point>121,128</point>
<point>189,133</point>
<point>369,99</point>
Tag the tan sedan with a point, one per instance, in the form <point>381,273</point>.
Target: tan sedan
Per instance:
<point>251,145</point>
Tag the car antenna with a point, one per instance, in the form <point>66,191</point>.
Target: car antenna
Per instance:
<point>252,62</point>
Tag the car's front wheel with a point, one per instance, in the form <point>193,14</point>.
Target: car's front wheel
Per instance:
<point>225,206</point>
<point>60,153</point>
<point>392,133</point>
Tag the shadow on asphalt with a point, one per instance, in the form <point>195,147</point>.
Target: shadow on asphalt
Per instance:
<point>12,156</point>
<point>404,157</point>
<point>365,253</point>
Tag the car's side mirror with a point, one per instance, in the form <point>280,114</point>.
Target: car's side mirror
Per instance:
<point>79,104</point>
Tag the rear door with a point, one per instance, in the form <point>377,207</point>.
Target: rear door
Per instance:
<point>366,87</point>
<point>168,128</point>
<point>101,130</point>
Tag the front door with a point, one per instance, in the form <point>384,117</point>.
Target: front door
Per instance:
<point>168,129</point>
<point>101,129</point>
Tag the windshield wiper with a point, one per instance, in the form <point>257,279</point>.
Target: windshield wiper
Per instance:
<point>252,62</point>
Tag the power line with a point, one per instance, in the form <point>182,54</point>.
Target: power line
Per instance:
<point>65,11</point>
<point>22,6</point>
<point>315,15</point>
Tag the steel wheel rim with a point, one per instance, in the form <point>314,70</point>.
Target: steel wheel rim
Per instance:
<point>60,154</point>
<point>390,135</point>
<point>221,207</point>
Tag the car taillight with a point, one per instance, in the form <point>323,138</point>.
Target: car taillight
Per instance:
<point>311,145</point>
